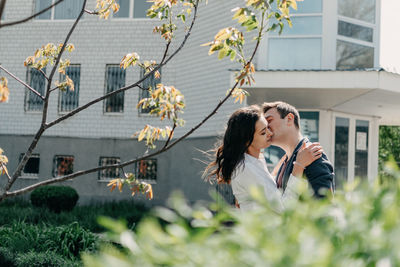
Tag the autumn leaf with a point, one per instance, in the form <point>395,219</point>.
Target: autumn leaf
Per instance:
<point>4,91</point>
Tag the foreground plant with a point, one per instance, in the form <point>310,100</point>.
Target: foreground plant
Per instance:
<point>359,227</point>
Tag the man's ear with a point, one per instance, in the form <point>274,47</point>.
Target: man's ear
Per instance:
<point>290,119</point>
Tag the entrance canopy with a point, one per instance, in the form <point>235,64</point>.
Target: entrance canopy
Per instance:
<point>368,92</point>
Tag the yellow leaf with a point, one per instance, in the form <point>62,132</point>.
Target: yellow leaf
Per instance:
<point>142,134</point>
<point>120,184</point>
<point>4,91</point>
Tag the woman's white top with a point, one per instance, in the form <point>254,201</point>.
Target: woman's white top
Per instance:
<point>254,172</point>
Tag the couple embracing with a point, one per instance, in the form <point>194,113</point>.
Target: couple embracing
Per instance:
<point>241,163</point>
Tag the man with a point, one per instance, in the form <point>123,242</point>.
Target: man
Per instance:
<point>284,122</point>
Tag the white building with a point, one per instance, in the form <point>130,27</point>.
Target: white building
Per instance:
<point>338,65</point>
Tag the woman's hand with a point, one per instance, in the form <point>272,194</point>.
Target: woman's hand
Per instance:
<point>307,155</point>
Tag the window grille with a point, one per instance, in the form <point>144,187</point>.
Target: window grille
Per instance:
<point>63,165</point>
<point>146,170</point>
<point>115,79</point>
<point>112,173</point>
<point>31,168</point>
<point>149,82</point>
<point>69,100</point>
<point>37,81</point>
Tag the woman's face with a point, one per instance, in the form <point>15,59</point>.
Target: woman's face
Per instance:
<point>262,135</point>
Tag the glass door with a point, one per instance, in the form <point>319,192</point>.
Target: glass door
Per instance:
<point>342,126</point>
<point>351,148</point>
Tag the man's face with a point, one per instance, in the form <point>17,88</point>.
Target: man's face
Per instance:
<point>276,125</point>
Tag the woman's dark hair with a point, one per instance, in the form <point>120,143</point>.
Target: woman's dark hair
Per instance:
<point>237,139</point>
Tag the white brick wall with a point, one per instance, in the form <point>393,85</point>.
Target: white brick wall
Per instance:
<point>203,79</point>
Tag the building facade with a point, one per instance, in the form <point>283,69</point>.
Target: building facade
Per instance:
<point>329,65</point>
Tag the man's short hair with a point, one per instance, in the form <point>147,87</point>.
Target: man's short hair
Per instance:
<point>283,109</point>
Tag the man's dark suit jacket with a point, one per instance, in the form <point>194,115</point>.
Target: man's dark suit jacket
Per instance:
<point>319,174</point>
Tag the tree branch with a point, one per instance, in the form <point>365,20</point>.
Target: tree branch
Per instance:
<point>28,18</point>
<point>2,5</point>
<point>43,125</point>
<point>44,74</point>
<point>79,109</point>
<point>165,148</point>
<point>170,136</point>
<point>23,83</point>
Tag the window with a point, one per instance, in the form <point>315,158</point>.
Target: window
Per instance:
<point>355,31</point>
<point>69,100</point>
<point>37,81</point>
<point>150,82</point>
<point>309,125</point>
<point>68,9</point>
<point>356,25</point>
<point>349,55</point>
<point>146,170</point>
<point>298,47</point>
<point>31,169</point>
<point>308,25</point>
<point>115,79</point>
<point>107,174</point>
<point>357,9</point>
<point>294,53</point>
<point>63,165</point>
<point>132,9</point>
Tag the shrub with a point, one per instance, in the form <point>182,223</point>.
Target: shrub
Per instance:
<point>56,198</point>
<point>68,241</point>
<point>6,257</point>
<point>71,240</point>
<point>43,259</point>
<point>23,211</point>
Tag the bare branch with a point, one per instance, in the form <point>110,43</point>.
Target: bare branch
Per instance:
<point>28,18</point>
<point>91,12</point>
<point>170,136</point>
<point>43,125</point>
<point>136,84</point>
<point>23,83</point>
<point>53,89</point>
<point>44,74</point>
<point>2,5</point>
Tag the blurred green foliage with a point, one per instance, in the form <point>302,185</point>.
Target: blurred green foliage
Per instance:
<point>389,146</point>
<point>360,226</point>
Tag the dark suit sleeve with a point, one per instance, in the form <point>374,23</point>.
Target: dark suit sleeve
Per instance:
<point>320,175</point>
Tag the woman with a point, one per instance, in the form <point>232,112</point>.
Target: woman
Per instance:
<point>239,160</point>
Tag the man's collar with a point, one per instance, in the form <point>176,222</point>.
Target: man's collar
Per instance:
<point>304,139</point>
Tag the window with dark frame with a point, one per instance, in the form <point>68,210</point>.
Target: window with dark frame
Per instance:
<point>149,82</point>
<point>69,100</point>
<point>115,79</point>
<point>63,165</point>
<point>37,81</point>
<point>146,170</point>
<point>112,173</point>
<point>31,168</point>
